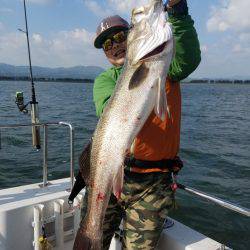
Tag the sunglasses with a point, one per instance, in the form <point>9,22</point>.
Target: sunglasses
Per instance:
<point>117,38</point>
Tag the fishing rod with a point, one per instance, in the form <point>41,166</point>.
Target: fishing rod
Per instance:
<point>19,95</point>
<point>220,202</point>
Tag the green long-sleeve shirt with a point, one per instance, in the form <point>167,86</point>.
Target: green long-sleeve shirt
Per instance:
<point>187,58</point>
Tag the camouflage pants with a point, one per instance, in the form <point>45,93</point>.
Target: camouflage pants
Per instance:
<point>144,205</point>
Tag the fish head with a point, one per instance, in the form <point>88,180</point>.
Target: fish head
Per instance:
<point>149,32</point>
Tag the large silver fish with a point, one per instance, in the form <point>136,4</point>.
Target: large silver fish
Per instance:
<point>139,90</point>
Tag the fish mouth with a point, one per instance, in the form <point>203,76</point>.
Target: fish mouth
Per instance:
<point>155,51</point>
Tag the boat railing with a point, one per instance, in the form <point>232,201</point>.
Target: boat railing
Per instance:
<point>213,199</point>
<point>225,204</point>
<point>45,146</point>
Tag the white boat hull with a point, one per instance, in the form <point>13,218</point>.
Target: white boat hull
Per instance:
<point>24,209</point>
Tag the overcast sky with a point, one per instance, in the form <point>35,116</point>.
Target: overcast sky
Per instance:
<point>62,32</point>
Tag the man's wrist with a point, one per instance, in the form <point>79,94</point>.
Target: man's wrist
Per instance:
<point>179,9</point>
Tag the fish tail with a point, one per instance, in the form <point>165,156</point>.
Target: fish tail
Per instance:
<point>83,242</point>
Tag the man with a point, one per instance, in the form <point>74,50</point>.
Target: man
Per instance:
<point>147,195</point>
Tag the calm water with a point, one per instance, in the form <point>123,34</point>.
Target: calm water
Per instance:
<point>215,147</point>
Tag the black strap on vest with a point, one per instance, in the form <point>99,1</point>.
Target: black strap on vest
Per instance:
<point>171,165</point>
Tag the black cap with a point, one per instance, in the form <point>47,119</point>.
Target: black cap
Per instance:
<point>107,26</point>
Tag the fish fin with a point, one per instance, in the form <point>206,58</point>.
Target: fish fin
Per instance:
<point>138,77</point>
<point>83,242</point>
<point>118,183</point>
<point>161,107</point>
<point>84,163</point>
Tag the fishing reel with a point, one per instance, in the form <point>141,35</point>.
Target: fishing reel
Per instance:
<point>19,100</point>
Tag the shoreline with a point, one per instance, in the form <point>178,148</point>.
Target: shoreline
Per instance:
<point>46,79</point>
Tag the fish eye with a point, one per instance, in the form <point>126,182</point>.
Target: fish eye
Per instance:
<point>139,10</point>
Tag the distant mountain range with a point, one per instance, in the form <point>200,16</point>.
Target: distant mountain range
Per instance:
<point>80,72</point>
<point>77,72</point>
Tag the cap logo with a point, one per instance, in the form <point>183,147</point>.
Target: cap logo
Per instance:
<point>104,26</point>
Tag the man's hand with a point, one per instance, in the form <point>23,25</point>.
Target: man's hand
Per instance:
<point>172,3</point>
<point>174,7</point>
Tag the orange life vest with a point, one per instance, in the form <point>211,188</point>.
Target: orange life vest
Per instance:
<point>159,139</point>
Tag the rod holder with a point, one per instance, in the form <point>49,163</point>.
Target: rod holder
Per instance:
<point>35,129</point>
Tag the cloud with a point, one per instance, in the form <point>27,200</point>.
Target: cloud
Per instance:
<point>245,37</point>
<point>10,45</point>
<point>237,48</point>
<point>232,49</point>
<point>37,38</point>
<point>125,7</point>
<point>71,40</point>
<point>97,9</point>
<point>64,48</point>
<point>6,10</point>
<point>113,7</point>
<point>226,57</point>
<point>204,48</point>
<point>230,15</point>
<point>242,44</point>
<point>40,1</point>
<point>1,26</point>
